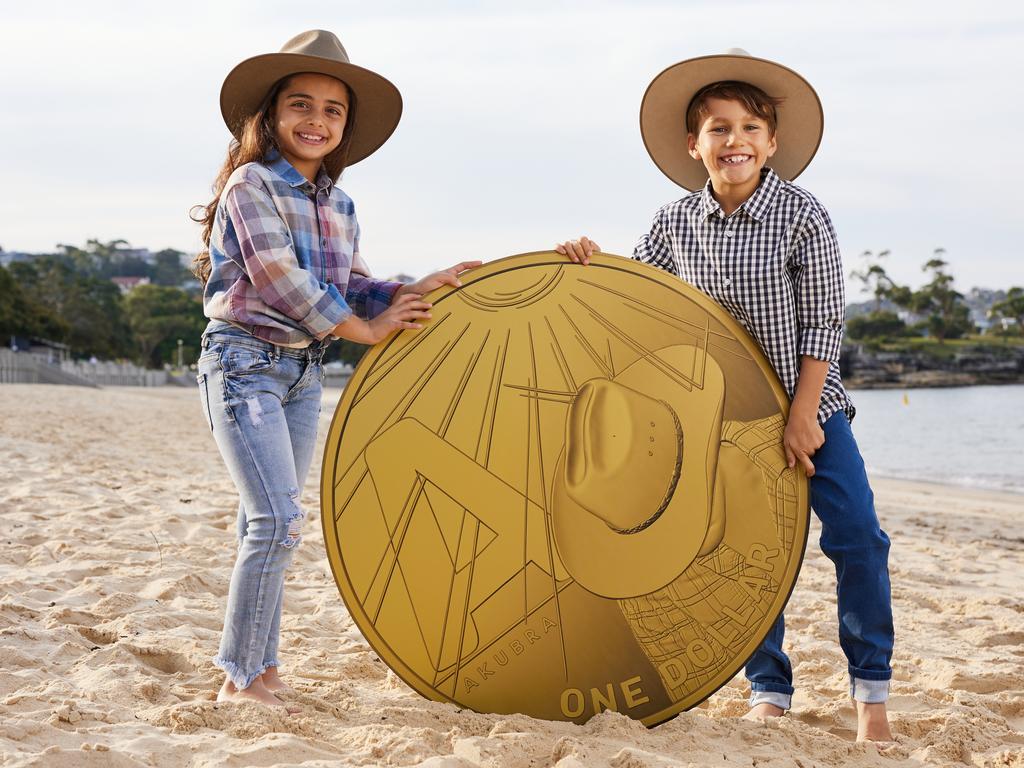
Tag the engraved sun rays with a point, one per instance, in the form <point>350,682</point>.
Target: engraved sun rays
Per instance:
<point>575,341</point>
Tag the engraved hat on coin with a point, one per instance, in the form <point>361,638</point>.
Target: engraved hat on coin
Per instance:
<point>663,113</point>
<point>378,102</point>
<point>632,497</point>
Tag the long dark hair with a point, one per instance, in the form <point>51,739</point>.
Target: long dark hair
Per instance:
<point>256,141</point>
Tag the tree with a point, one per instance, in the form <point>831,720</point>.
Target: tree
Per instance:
<point>947,317</point>
<point>876,326</point>
<point>160,315</point>
<point>874,278</point>
<point>20,315</point>
<point>167,268</point>
<point>1012,307</point>
<point>88,308</point>
<point>346,351</point>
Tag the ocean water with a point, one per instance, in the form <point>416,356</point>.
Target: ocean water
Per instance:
<point>971,436</point>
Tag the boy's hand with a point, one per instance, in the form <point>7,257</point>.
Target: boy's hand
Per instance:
<point>580,250</point>
<point>403,313</point>
<point>426,284</point>
<point>802,438</point>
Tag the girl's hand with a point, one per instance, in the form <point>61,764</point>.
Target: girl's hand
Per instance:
<point>426,284</point>
<point>403,313</point>
<point>802,438</point>
<point>580,250</point>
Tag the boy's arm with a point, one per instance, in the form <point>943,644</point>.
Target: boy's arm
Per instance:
<point>653,248</point>
<point>804,436</point>
<point>820,301</point>
<point>820,292</point>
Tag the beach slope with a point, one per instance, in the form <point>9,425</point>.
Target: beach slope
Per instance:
<point>117,544</point>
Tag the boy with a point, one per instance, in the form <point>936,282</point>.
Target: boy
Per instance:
<point>765,250</point>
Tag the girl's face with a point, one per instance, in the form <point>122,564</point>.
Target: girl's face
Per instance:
<point>310,113</point>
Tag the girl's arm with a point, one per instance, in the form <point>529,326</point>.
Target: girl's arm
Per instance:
<point>448,276</point>
<point>404,313</point>
<point>265,246</point>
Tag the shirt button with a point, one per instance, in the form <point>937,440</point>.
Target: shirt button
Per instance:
<point>727,282</point>
<point>728,233</point>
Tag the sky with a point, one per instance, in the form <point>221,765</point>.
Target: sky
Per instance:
<point>520,125</point>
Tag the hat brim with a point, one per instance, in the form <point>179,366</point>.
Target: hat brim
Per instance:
<point>663,114</point>
<point>379,104</point>
<point>616,565</point>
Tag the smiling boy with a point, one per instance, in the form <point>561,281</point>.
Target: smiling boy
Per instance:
<point>766,251</point>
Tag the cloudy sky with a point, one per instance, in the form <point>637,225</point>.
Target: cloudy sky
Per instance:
<point>521,120</point>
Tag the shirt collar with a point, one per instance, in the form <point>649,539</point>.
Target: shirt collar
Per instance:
<point>276,162</point>
<point>756,206</point>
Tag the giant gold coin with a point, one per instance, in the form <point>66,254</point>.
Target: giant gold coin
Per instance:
<point>567,493</point>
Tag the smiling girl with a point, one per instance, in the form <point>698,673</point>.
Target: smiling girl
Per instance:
<point>283,277</point>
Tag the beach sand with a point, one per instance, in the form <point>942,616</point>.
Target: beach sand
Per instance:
<point>118,540</point>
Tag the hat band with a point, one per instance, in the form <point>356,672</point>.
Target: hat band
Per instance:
<point>672,483</point>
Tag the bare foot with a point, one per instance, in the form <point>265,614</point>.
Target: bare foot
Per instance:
<point>763,711</point>
<point>256,692</point>
<point>872,722</point>
<point>273,682</point>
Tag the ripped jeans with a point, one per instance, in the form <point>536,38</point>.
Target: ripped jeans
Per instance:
<point>262,403</point>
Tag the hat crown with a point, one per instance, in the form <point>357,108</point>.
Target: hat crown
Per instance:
<point>317,42</point>
<point>623,452</point>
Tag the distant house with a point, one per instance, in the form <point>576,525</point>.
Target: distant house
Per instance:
<point>9,257</point>
<point>127,284</point>
<point>52,352</point>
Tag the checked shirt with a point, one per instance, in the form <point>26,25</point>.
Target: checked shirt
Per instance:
<point>284,257</point>
<point>774,265</point>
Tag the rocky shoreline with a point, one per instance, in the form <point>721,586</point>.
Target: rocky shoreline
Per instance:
<point>865,368</point>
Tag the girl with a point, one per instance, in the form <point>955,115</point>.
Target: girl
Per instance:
<point>283,277</point>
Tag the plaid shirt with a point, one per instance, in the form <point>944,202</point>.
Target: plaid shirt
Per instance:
<point>284,255</point>
<point>774,265</point>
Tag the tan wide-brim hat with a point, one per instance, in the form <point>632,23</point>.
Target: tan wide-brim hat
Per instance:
<point>617,564</point>
<point>378,102</point>
<point>663,113</point>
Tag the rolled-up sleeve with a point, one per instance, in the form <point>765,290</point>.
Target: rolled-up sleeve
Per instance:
<point>653,247</point>
<point>368,297</point>
<point>268,252</point>
<point>820,291</point>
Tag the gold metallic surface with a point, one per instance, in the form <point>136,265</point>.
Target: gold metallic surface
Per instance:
<point>567,493</point>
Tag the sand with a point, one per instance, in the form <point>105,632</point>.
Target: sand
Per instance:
<point>117,546</point>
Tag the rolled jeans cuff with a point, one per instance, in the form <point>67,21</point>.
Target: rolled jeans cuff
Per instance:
<point>869,691</point>
<point>783,701</point>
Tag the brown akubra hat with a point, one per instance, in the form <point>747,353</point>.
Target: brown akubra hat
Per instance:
<point>663,113</point>
<point>319,51</point>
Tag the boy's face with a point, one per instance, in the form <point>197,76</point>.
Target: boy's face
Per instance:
<point>733,145</point>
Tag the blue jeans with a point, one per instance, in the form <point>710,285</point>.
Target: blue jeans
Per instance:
<point>262,403</point>
<point>852,539</point>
